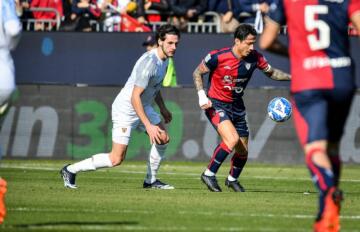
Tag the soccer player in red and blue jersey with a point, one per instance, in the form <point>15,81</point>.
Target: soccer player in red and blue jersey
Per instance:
<point>322,87</point>
<point>230,70</point>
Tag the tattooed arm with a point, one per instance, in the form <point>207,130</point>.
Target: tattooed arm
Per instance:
<point>276,74</point>
<point>198,74</point>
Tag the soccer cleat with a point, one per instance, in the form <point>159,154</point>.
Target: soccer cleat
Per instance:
<point>4,108</point>
<point>234,185</point>
<point>211,183</point>
<point>68,177</point>
<point>157,184</point>
<point>329,220</point>
<point>3,190</point>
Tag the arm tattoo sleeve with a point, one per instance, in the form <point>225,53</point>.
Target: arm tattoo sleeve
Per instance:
<point>276,74</point>
<point>198,76</point>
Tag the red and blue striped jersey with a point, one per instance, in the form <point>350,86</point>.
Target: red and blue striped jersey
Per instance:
<point>230,75</point>
<point>318,41</point>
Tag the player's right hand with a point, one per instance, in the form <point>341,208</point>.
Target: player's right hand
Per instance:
<point>154,133</point>
<point>204,101</point>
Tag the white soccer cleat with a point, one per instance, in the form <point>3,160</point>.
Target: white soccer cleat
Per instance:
<point>157,184</point>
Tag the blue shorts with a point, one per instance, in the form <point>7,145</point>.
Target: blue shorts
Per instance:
<point>321,114</point>
<point>235,112</point>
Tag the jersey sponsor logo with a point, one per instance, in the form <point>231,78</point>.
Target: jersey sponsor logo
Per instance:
<point>228,83</point>
<point>315,62</point>
<point>227,67</point>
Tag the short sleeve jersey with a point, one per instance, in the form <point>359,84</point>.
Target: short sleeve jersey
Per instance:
<point>318,41</point>
<point>148,73</point>
<point>230,75</point>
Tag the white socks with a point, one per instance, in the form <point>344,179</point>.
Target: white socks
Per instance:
<point>156,154</point>
<point>208,173</point>
<point>95,162</point>
<point>230,178</point>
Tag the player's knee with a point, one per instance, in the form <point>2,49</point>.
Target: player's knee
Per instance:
<point>117,158</point>
<point>164,138</point>
<point>232,141</point>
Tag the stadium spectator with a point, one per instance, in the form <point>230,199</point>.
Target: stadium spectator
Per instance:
<point>83,11</point>
<point>113,10</point>
<point>170,76</point>
<point>132,109</point>
<point>19,8</point>
<point>186,10</point>
<point>322,88</point>
<point>150,43</point>
<point>43,16</point>
<point>9,37</point>
<point>162,6</point>
<point>229,11</point>
<point>230,70</point>
<point>67,9</point>
<point>22,7</point>
<point>253,11</point>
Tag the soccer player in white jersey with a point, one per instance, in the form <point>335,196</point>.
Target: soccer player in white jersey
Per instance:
<point>132,109</point>
<point>10,30</point>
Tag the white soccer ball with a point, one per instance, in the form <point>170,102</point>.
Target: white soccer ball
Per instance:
<point>279,109</point>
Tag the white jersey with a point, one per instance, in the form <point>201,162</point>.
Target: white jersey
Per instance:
<point>10,28</point>
<point>148,73</point>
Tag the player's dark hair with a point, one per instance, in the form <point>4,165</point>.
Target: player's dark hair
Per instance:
<point>166,29</point>
<point>243,30</point>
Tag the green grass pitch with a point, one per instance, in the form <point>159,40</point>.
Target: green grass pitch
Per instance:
<point>278,198</point>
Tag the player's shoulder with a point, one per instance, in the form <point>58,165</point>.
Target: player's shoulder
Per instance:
<point>147,61</point>
<point>220,51</point>
<point>149,56</point>
<point>254,56</point>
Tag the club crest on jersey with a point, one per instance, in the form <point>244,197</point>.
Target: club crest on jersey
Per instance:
<point>123,130</point>
<point>247,66</point>
<point>228,79</point>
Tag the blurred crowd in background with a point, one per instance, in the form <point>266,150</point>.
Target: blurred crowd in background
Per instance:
<point>199,16</point>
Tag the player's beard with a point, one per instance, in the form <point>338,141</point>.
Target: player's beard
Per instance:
<point>165,52</point>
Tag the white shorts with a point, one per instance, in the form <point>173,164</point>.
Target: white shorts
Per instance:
<point>124,123</point>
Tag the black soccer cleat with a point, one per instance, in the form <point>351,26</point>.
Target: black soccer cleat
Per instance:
<point>68,177</point>
<point>234,185</point>
<point>211,183</point>
<point>157,184</point>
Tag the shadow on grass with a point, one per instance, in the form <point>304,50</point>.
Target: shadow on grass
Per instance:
<point>76,223</point>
